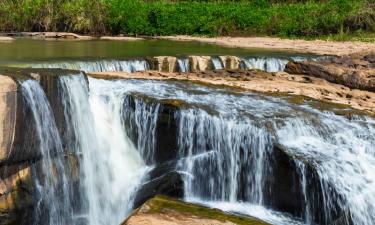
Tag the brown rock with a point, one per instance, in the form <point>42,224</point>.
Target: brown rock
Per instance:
<point>8,106</point>
<point>200,63</point>
<point>162,210</point>
<point>355,71</point>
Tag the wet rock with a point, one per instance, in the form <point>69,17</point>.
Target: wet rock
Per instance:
<point>166,146</point>
<point>170,184</point>
<point>168,211</point>
<point>287,193</point>
<point>19,142</point>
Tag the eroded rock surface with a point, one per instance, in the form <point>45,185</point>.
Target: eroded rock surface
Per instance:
<point>273,83</point>
<point>354,71</point>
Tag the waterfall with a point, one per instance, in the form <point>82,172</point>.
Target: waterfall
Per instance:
<point>221,147</point>
<point>183,65</point>
<point>55,205</point>
<point>227,144</point>
<point>111,165</point>
<point>226,149</point>
<point>98,66</point>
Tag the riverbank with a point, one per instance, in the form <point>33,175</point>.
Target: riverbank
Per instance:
<point>319,47</point>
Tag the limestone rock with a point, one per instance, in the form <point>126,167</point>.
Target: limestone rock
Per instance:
<point>162,210</point>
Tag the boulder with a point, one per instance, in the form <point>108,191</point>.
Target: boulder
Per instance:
<point>168,211</point>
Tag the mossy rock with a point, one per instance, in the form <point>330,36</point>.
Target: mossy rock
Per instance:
<point>161,206</point>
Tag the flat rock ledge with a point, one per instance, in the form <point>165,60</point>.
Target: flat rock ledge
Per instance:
<point>354,71</point>
<point>271,83</point>
<point>162,210</point>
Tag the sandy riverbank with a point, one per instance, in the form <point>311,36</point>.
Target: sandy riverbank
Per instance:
<point>276,83</point>
<point>302,46</point>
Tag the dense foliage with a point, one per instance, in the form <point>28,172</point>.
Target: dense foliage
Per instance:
<point>289,18</point>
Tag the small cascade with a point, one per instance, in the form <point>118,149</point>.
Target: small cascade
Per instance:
<point>183,65</point>
<point>221,147</point>
<point>265,64</point>
<point>98,66</point>
<point>55,203</point>
<point>217,63</point>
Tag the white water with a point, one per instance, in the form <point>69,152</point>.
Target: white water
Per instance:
<point>218,64</point>
<point>223,135</point>
<point>98,66</point>
<point>112,167</point>
<point>183,65</point>
<point>54,201</point>
<point>266,64</point>
<point>340,149</point>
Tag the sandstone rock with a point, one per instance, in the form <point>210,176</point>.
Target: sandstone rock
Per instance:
<point>200,63</point>
<point>164,63</point>
<point>8,108</point>
<point>231,62</point>
<point>354,71</point>
<point>15,188</point>
<point>162,210</point>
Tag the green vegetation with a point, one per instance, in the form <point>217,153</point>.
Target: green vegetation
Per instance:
<point>333,19</point>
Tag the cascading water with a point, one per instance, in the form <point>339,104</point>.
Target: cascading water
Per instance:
<point>218,64</point>
<point>266,64</point>
<point>226,151</point>
<point>55,203</point>
<point>219,146</point>
<point>98,66</point>
<point>343,153</point>
<point>183,65</point>
<point>111,165</point>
